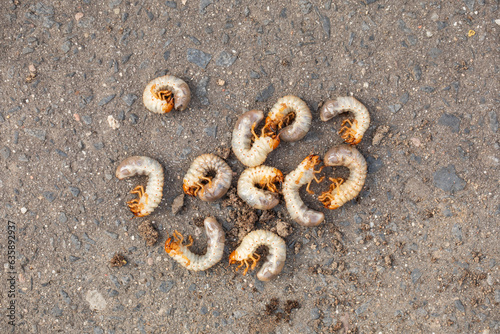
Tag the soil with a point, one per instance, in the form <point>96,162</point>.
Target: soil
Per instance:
<point>148,232</point>
<point>416,252</point>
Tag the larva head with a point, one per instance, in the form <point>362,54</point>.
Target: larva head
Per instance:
<point>171,246</point>
<point>233,258</point>
<point>311,161</point>
<point>189,189</point>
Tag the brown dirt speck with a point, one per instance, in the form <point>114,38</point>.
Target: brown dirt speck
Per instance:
<point>243,215</point>
<point>118,260</point>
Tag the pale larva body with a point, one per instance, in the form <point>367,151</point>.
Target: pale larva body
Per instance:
<point>342,192</point>
<point>249,154</point>
<point>302,175</point>
<point>217,187</point>
<point>156,96</point>
<point>301,123</point>
<point>331,108</point>
<point>189,260</point>
<point>274,261</point>
<point>264,176</point>
<point>150,198</point>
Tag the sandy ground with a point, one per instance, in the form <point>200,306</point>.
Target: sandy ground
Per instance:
<point>416,252</point>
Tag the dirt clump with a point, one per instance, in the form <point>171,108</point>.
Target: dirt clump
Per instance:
<point>118,260</point>
<point>243,215</point>
<point>148,232</point>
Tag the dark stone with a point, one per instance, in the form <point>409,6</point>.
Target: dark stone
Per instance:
<point>211,131</point>
<point>62,217</point>
<point>450,120</point>
<point>75,241</point>
<point>470,4</point>
<point>201,91</point>
<point>305,6</point>
<point>265,94</point>
<point>198,57</point>
<point>427,89</point>
<point>5,152</point>
<point>166,55</point>
<point>435,52</point>
<point>112,293</point>
<point>404,98</point>
<point>415,275</point>
<point>204,4</point>
<point>195,40</point>
<point>447,179</point>
<point>441,25</point>
<point>65,296</point>
<point>140,293</point>
<point>61,153</point>
<point>374,164</point>
<point>129,99</point>
<point>368,2</point>
<point>87,119</point>
<point>395,108</point>
<point>99,145</point>
<point>171,4</point>
<point>203,310</point>
<point>98,330</point>
<point>457,231</point>
<point>417,72</point>
<point>225,59</point>
<point>56,311</point>
<point>74,191</point>
<point>133,118</point>
<point>73,258</point>
<point>493,121</point>
<point>283,13</point>
<point>111,234</point>
<point>49,196</point>
<point>66,46</point>
<point>106,100</point>
<point>39,134</point>
<point>166,286</point>
<point>459,305</point>
<point>254,75</point>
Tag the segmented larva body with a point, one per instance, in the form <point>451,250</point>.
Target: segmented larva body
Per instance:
<point>290,108</point>
<point>275,260</point>
<point>149,199</point>
<point>341,192</point>
<point>189,260</point>
<point>265,177</point>
<point>196,178</point>
<point>303,174</point>
<point>166,92</point>
<point>249,154</point>
<point>353,134</point>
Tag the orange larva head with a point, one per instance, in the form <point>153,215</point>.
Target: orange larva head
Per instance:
<point>188,190</point>
<point>168,247</point>
<point>275,142</point>
<point>232,257</point>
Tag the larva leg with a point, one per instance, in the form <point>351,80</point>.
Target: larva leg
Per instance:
<point>255,137</point>
<point>238,267</point>
<point>208,179</point>
<point>139,190</point>
<point>190,239</point>
<point>255,258</point>
<point>178,237</point>
<point>246,269</point>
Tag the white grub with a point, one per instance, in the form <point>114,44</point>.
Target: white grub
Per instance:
<point>166,92</point>
<point>248,153</point>
<point>303,174</point>
<point>353,134</point>
<point>189,260</point>
<point>267,196</point>
<point>197,183</point>
<point>290,107</point>
<point>246,251</point>
<point>341,192</point>
<point>150,198</point>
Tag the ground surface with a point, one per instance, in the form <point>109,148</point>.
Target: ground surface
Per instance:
<point>417,251</point>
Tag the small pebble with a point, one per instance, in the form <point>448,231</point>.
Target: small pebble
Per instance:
<point>198,57</point>
<point>446,179</point>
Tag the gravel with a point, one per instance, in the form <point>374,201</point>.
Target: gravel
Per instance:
<point>265,94</point>
<point>450,121</point>
<point>446,179</point>
<point>198,57</point>
<point>225,59</point>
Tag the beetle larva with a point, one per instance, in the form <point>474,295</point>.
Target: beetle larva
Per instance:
<point>341,192</point>
<point>166,92</point>
<point>291,117</point>
<point>265,177</point>
<point>189,260</point>
<point>245,252</point>
<point>303,174</point>
<point>148,200</point>
<point>195,181</point>
<point>249,154</point>
<point>353,134</point>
